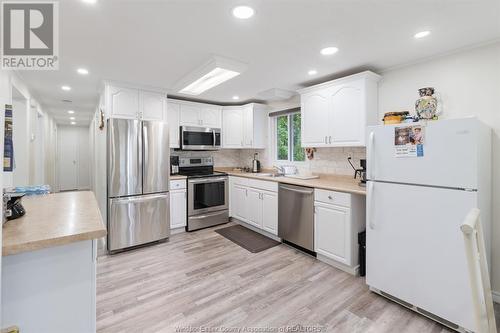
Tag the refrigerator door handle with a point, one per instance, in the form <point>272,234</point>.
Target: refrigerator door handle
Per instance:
<point>370,155</point>
<point>369,205</point>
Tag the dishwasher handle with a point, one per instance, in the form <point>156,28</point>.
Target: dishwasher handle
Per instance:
<point>311,191</point>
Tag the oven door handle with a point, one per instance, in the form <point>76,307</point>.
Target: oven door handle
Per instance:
<point>204,216</point>
<point>209,180</point>
<point>213,134</point>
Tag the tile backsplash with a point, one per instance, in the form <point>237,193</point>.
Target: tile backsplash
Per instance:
<point>326,160</point>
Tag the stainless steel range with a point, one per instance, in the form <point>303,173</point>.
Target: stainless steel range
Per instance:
<point>208,193</point>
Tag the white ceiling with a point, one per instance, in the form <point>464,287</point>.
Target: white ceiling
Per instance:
<point>156,43</point>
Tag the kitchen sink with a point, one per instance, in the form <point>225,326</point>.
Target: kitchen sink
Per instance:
<point>263,174</point>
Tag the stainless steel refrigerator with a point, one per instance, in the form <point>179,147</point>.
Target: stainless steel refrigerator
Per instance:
<point>138,171</point>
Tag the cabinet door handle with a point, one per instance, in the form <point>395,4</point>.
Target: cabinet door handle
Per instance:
<point>330,197</point>
<point>330,139</point>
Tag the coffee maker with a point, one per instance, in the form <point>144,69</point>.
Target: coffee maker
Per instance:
<point>361,171</point>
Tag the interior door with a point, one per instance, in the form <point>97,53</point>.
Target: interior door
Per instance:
<point>156,157</point>
<point>68,158</point>
<point>450,155</point>
<point>415,249</point>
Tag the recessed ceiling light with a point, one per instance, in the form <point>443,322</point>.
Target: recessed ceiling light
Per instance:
<point>236,97</point>
<point>90,1</point>
<point>312,72</point>
<point>73,123</point>
<point>329,50</point>
<point>71,111</point>
<point>422,34</point>
<point>82,71</point>
<point>66,88</point>
<point>71,118</point>
<point>243,12</point>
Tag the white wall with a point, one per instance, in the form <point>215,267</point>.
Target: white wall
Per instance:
<point>469,84</point>
<point>5,98</point>
<point>26,137</point>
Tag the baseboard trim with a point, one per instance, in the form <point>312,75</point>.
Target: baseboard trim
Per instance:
<point>496,296</point>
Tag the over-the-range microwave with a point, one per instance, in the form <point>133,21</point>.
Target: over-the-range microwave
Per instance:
<point>199,138</point>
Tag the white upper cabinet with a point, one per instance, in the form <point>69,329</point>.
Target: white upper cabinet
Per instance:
<point>199,114</point>
<point>315,122</point>
<point>336,113</point>
<point>133,103</point>
<point>152,106</point>
<point>189,115</point>
<point>210,116</point>
<point>232,127</point>
<point>173,123</point>
<point>244,126</point>
<point>123,102</point>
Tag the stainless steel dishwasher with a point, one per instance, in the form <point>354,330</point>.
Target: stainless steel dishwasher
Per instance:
<point>296,215</point>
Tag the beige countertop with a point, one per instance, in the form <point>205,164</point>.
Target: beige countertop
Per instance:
<point>339,183</point>
<point>51,220</point>
<point>177,177</point>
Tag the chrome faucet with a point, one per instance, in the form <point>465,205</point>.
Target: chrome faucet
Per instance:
<point>280,170</point>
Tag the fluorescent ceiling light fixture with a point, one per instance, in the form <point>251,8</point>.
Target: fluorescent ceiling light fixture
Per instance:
<point>422,34</point>
<point>82,71</point>
<point>71,111</point>
<point>73,123</point>
<point>66,88</point>
<point>236,97</point>
<point>212,73</point>
<point>329,50</point>
<point>243,12</point>
<point>312,72</point>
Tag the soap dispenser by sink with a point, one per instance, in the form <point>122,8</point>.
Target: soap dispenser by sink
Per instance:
<point>255,163</point>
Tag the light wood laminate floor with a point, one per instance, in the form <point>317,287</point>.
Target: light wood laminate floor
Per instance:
<point>201,279</point>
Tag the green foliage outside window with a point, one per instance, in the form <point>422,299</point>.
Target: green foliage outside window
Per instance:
<point>288,138</point>
<point>282,139</point>
<point>298,151</point>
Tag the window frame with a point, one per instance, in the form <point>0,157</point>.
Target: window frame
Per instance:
<point>290,140</point>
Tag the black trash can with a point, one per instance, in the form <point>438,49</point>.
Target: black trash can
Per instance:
<point>362,253</point>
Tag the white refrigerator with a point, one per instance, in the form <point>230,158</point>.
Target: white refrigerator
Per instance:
<point>415,251</point>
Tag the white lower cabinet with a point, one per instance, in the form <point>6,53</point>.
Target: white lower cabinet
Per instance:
<point>270,212</point>
<point>255,202</point>
<point>332,229</point>
<point>178,204</point>
<point>338,218</point>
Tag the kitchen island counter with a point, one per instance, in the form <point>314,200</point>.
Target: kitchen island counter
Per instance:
<point>52,220</point>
